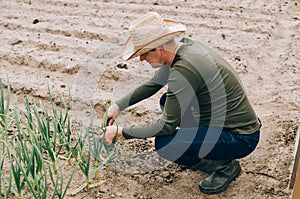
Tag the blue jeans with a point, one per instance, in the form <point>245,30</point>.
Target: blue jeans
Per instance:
<point>189,144</point>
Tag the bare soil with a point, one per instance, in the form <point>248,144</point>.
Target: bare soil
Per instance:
<point>71,45</point>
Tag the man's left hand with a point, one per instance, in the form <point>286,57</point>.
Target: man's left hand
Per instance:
<point>112,134</point>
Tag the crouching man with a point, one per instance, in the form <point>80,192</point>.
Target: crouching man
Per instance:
<point>207,122</point>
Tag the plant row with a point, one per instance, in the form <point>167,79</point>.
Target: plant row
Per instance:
<point>42,150</point>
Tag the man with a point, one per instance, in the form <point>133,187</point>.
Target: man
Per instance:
<point>207,121</point>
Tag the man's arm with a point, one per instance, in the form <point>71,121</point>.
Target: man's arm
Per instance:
<point>146,90</point>
<point>179,96</point>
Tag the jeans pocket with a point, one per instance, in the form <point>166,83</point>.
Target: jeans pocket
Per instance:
<point>251,140</point>
<point>243,153</point>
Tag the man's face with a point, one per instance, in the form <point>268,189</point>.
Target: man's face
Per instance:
<point>153,57</point>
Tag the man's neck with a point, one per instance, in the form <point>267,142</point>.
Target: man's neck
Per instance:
<point>171,53</point>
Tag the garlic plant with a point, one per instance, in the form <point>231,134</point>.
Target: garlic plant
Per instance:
<point>37,145</point>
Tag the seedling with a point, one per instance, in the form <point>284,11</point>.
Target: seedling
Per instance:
<point>4,106</point>
<point>38,140</point>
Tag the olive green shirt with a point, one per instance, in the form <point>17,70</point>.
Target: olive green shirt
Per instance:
<point>200,79</point>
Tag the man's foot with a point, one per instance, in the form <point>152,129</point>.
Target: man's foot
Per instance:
<point>219,180</point>
<point>208,166</point>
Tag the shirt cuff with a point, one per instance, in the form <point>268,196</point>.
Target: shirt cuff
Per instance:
<point>127,136</point>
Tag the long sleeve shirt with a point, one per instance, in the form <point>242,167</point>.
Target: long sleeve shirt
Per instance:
<point>201,79</point>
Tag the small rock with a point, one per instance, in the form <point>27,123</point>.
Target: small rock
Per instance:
<point>122,66</point>
<point>223,36</point>
<point>102,190</point>
<point>169,181</point>
<point>35,21</point>
<point>135,194</point>
<point>165,174</point>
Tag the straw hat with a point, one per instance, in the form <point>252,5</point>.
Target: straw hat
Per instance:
<point>149,32</point>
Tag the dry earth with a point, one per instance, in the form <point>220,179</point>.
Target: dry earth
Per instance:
<point>72,44</point>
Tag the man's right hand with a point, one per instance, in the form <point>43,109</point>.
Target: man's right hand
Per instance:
<point>112,113</point>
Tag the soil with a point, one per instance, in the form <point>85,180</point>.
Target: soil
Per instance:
<point>71,46</point>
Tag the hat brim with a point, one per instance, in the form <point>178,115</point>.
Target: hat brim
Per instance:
<point>173,30</point>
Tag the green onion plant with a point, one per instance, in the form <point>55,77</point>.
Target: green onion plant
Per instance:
<point>49,140</point>
<point>40,144</point>
<point>4,106</point>
<point>60,188</point>
<point>5,181</point>
<point>96,151</point>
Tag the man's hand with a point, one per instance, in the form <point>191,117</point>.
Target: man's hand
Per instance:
<point>112,134</point>
<point>112,113</point>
